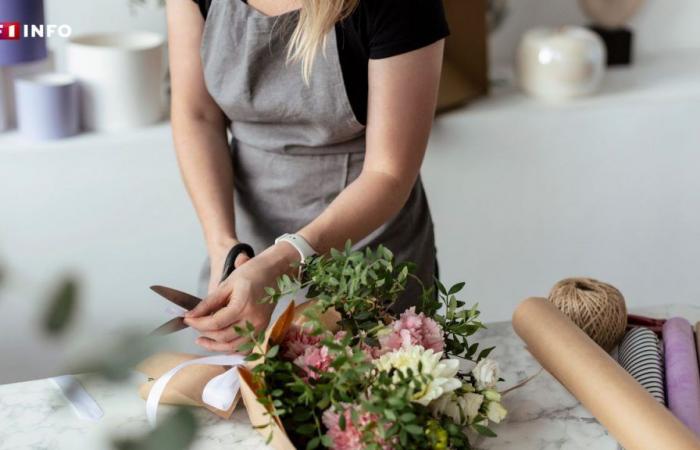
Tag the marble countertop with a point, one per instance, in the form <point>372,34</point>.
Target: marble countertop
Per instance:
<point>543,415</point>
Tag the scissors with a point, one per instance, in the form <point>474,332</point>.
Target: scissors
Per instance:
<point>188,301</point>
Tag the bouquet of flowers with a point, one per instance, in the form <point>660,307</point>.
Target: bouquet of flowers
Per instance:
<point>354,375</point>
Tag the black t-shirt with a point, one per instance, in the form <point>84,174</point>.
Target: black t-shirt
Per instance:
<point>379,29</point>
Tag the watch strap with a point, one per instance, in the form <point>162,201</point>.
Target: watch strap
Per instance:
<point>299,243</point>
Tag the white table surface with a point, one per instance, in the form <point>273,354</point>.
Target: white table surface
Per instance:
<point>542,414</point>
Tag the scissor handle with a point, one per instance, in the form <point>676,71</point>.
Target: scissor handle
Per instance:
<point>236,250</point>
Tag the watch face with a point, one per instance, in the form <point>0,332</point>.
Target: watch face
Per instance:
<point>610,13</point>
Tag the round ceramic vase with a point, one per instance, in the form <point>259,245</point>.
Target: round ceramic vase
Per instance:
<point>121,76</point>
<point>560,64</point>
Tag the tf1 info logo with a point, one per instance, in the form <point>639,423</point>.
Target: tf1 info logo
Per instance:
<point>13,31</point>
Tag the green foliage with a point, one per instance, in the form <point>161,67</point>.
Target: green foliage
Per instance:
<point>362,286</point>
<point>62,307</point>
<point>456,322</point>
<point>176,432</point>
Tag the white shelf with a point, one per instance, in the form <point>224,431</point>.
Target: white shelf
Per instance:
<point>13,142</point>
<point>661,77</point>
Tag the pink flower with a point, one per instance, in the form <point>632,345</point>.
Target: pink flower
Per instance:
<point>297,340</point>
<point>351,437</point>
<point>413,329</point>
<point>314,358</point>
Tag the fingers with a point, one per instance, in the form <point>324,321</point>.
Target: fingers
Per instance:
<point>241,259</point>
<point>214,346</point>
<point>223,318</point>
<point>227,334</point>
<point>213,302</point>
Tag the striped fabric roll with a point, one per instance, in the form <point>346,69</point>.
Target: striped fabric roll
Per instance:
<point>640,355</point>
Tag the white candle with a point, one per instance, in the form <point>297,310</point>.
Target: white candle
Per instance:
<point>558,64</point>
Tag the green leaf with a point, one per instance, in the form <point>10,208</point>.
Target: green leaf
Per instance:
<point>407,417</point>
<point>313,443</point>
<point>62,307</point>
<point>270,291</point>
<point>414,429</point>
<point>253,357</point>
<point>484,431</point>
<point>272,352</point>
<point>456,288</point>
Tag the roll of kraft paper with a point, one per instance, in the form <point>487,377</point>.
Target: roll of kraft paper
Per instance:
<point>640,355</point>
<point>682,374</point>
<point>621,404</point>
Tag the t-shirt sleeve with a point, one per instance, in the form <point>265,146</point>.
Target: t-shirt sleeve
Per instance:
<point>401,26</point>
<point>203,6</point>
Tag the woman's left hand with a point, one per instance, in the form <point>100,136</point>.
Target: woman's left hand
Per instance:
<point>237,300</point>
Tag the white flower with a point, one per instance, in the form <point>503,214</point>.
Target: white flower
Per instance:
<point>462,409</point>
<point>441,372</point>
<point>486,373</point>
<point>491,394</point>
<point>495,412</point>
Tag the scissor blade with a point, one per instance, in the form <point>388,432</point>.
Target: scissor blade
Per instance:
<point>171,326</point>
<point>182,299</point>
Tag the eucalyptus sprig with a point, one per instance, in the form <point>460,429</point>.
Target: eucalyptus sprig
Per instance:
<point>361,285</point>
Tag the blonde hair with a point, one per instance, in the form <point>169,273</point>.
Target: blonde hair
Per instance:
<point>316,19</point>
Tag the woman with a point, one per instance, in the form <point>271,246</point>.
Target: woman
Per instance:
<point>330,104</point>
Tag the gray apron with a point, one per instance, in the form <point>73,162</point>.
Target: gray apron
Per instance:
<point>295,146</point>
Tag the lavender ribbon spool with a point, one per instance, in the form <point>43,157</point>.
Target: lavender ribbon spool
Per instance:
<point>24,49</point>
<point>48,106</point>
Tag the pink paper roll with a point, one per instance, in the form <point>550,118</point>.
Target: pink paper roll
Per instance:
<point>682,374</point>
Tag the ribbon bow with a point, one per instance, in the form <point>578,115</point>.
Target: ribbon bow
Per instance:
<point>219,392</point>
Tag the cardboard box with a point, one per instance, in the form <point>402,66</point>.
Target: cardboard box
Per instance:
<point>465,69</point>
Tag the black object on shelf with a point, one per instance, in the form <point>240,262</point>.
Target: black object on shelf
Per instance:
<point>618,43</point>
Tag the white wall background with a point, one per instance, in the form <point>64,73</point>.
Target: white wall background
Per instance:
<point>522,194</point>
<point>661,24</point>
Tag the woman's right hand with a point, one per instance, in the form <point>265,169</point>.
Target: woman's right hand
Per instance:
<point>217,258</point>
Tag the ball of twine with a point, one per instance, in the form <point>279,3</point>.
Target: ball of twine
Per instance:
<point>596,307</point>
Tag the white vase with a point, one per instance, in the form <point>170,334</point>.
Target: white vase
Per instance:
<point>120,77</point>
<point>560,64</point>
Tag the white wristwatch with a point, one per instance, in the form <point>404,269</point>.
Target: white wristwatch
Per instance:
<point>299,243</point>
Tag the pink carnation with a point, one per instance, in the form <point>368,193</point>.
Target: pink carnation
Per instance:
<point>297,340</point>
<point>314,358</point>
<point>351,437</point>
<point>413,329</point>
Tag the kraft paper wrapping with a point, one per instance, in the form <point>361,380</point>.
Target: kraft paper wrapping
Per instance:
<point>621,404</point>
<point>187,386</point>
<point>264,421</point>
<point>682,374</point>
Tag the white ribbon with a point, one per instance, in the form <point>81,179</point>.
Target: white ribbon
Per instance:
<point>82,403</point>
<point>219,392</point>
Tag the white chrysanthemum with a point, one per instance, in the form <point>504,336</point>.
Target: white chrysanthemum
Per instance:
<point>441,372</point>
<point>486,374</point>
<point>462,409</point>
<point>495,412</point>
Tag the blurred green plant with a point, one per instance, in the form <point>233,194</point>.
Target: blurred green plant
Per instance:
<point>175,432</point>
<point>137,3</point>
<point>61,307</point>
